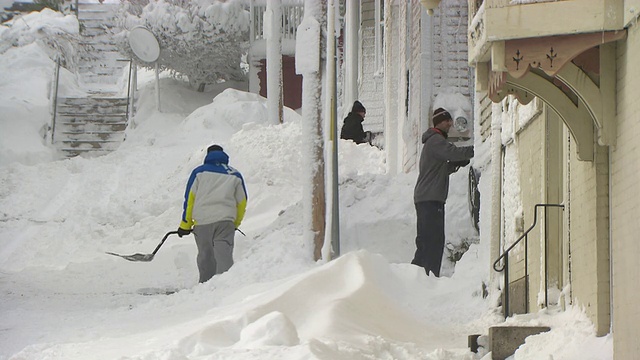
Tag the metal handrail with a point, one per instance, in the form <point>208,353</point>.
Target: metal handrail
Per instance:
<point>129,102</point>
<point>55,98</point>
<point>505,256</point>
<point>129,90</point>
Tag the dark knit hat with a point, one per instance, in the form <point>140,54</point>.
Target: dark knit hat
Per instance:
<point>358,107</point>
<point>440,115</point>
<point>214,148</point>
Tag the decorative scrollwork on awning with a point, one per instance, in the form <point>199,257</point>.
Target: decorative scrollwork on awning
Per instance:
<point>551,53</point>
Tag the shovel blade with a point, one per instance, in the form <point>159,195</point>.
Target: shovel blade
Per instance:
<point>135,257</point>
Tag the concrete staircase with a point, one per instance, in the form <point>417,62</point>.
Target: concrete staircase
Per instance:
<point>99,66</point>
<point>503,341</point>
<point>95,123</point>
<point>92,124</point>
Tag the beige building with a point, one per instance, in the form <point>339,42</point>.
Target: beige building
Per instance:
<point>558,89</point>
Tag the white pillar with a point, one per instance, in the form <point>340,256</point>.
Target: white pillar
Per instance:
<point>273,34</point>
<point>393,75</point>
<point>352,26</point>
<point>331,247</point>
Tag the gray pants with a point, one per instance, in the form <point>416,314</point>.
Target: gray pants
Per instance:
<point>215,248</point>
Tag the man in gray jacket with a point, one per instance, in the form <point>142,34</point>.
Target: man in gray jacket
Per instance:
<point>214,205</point>
<point>439,158</point>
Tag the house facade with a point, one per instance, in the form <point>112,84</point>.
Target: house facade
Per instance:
<point>292,14</point>
<point>399,62</point>
<point>556,97</point>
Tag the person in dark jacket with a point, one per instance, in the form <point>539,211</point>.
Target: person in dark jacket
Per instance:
<point>214,205</point>
<point>439,159</point>
<point>352,128</point>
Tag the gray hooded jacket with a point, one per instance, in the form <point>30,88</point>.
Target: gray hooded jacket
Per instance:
<point>437,161</point>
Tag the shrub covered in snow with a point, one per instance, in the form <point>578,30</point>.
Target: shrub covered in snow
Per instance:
<point>203,40</point>
<point>56,33</point>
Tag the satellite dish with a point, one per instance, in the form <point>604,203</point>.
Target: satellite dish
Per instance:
<point>144,44</point>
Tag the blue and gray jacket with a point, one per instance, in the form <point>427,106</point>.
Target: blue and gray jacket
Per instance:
<point>215,192</point>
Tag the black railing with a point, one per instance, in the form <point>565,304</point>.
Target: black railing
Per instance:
<point>505,264</point>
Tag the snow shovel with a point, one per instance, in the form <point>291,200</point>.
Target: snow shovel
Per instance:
<point>145,257</point>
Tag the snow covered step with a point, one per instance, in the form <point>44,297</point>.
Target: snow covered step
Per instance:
<point>90,144</point>
<point>71,152</point>
<point>98,71</point>
<point>103,58</point>
<point>94,32</point>
<point>93,127</point>
<point>505,340</point>
<point>96,100</point>
<point>87,66</point>
<point>75,148</point>
<point>89,113</point>
<point>103,90</point>
<point>111,64</point>
<point>101,46</point>
<point>97,40</point>
<point>93,136</point>
<point>93,101</point>
<point>93,76</point>
<point>84,119</point>
<point>100,80</point>
<point>102,25</point>
<point>107,78</point>
<point>106,12</point>
<point>74,115</point>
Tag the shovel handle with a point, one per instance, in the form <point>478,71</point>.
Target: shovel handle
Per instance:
<point>163,240</point>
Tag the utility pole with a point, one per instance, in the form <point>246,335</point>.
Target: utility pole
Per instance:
<point>333,223</point>
<point>310,63</point>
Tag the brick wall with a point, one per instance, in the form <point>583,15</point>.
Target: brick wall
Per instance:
<point>625,168</point>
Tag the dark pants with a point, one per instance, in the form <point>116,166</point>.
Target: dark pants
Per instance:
<point>215,248</point>
<point>430,236</point>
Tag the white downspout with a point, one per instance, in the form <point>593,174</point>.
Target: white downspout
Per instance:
<point>496,190</point>
<point>610,247</point>
<point>378,37</point>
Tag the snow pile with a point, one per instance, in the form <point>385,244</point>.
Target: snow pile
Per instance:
<point>45,26</point>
